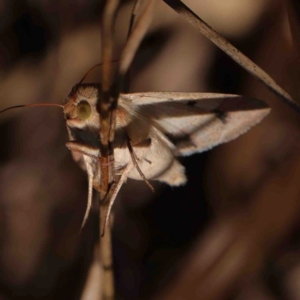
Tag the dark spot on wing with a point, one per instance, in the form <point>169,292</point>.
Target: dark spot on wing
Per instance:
<point>221,115</point>
<point>148,161</point>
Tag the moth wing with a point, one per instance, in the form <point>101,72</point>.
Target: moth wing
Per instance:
<point>196,122</point>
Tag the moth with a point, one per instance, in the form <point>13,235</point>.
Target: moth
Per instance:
<point>152,130</point>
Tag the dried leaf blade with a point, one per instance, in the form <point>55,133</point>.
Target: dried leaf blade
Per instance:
<point>232,52</point>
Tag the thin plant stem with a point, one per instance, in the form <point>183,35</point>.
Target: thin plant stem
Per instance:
<point>134,13</point>
<point>232,52</point>
<point>106,148</point>
<point>128,53</point>
<point>108,285</point>
<point>104,104</point>
<point>133,16</point>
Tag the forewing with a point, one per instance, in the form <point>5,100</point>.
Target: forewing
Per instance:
<point>195,122</point>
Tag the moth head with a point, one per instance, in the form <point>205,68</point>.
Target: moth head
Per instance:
<point>80,106</point>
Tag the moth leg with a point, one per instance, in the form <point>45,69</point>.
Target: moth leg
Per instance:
<point>89,154</point>
<point>106,205</point>
<point>90,174</point>
<point>174,175</point>
<point>134,160</point>
<point>83,149</point>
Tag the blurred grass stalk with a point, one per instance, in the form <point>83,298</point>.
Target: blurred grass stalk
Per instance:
<point>294,20</point>
<point>293,9</point>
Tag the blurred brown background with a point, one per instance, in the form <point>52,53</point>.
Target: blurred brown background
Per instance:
<point>231,233</point>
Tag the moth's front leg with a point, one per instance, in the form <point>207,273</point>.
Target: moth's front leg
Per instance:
<point>91,155</point>
<point>83,149</point>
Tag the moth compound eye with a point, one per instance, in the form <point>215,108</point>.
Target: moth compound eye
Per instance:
<point>84,110</point>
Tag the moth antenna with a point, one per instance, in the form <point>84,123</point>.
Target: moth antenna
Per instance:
<point>134,160</point>
<point>85,76</point>
<point>31,105</point>
<point>88,72</point>
<point>90,192</point>
<point>92,69</point>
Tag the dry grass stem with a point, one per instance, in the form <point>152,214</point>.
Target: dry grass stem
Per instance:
<point>231,51</point>
<point>106,148</point>
<point>108,286</point>
<point>128,53</point>
<point>93,289</point>
<point>107,107</point>
<point>133,16</point>
<point>104,104</point>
